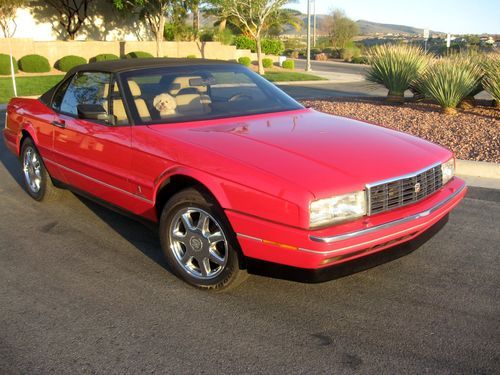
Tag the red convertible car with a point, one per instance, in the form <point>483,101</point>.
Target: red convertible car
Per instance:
<point>229,166</point>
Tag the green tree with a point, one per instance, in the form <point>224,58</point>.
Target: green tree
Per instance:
<point>281,18</point>
<point>154,12</point>
<point>194,7</point>
<point>341,29</point>
<point>8,10</point>
<point>252,16</point>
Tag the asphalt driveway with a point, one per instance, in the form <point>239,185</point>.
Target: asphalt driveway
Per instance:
<point>85,290</point>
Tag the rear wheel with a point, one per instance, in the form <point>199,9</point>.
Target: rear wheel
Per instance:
<point>36,179</point>
<point>198,242</point>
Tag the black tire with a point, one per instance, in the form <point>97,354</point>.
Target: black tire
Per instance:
<point>44,190</point>
<point>178,242</point>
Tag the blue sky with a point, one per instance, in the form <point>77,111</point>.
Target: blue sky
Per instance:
<point>458,16</point>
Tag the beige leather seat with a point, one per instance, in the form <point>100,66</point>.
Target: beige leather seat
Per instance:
<point>191,102</point>
<point>140,103</point>
<point>118,107</point>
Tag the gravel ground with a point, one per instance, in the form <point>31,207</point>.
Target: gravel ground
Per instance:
<point>472,134</point>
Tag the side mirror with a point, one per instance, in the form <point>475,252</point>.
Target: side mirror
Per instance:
<point>94,112</point>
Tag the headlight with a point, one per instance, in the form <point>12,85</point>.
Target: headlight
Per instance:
<point>335,209</point>
<point>448,170</point>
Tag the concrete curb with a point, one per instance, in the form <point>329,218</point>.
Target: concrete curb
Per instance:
<point>478,169</point>
<point>479,173</point>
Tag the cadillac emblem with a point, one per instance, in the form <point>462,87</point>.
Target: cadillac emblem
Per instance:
<point>417,187</point>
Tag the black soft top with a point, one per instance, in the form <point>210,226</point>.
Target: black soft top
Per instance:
<point>116,66</point>
<point>122,65</point>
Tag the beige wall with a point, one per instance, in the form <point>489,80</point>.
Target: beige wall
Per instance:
<point>54,50</point>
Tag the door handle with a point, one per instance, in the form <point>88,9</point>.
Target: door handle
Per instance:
<point>59,124</point>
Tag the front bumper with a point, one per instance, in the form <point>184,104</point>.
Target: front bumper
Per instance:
<point>314,249</point>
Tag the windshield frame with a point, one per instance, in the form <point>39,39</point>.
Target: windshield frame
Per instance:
<point>289,104</point>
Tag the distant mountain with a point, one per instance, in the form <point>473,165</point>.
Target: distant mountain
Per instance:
<point>368,27</point>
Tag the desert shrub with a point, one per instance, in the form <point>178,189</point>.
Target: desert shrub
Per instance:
<point>321,57</point>
<point>491,78</point>
<point>267,63</point>
<point>360,60</point>
<point>449,80</point>
<point>34,64</point>
<point>315,51</point>
<point>288,64</point>
<point>244,60</point>
<point>5,64</point>
<point>328,51</point>
<point>293,43</point>
<point>207,36</point>
<point>244,42</point>
<point>138,55</point>
<point>65,63</point>
<point>348,53</point>
<point>178,32</point>
<point>293,54</point>
<point>396,67</point>
<point>104,57</point>
<point>191,57</point>
<point>272,46</point>
<point>225,36</point>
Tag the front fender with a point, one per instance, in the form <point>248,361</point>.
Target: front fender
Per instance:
<point>236,197</point>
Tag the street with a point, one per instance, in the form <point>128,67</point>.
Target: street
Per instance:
<point>332,66</point>
<point>86,290</point>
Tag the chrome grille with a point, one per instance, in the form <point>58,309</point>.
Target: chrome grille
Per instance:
<point>406,190</point>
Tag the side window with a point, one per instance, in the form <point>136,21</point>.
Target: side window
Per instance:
<point>85,88</point>
<point>59,95</point>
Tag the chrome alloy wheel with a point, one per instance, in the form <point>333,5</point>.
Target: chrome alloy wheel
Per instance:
<point>32,168</point>
<point>198,243</point>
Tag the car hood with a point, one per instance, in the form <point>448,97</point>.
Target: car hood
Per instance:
<point>323,153</point>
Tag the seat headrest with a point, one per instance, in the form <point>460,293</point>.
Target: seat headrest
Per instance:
<point>134,88</point>
<point>180,83</point>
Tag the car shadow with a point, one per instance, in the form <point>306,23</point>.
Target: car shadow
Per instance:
<point>279,271</point>
<point>145,238</point>
<point>9,160</point>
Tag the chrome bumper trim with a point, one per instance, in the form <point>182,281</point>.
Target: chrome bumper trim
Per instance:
<point>390,224</point>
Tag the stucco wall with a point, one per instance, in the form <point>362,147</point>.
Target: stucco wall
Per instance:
<point>54,50</point>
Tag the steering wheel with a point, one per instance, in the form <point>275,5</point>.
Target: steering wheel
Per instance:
<point>239,96</point>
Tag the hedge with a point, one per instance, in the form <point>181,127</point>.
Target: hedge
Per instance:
<point>104,57</point>
<point>5,64</point>
<point>244,42</point>
<point>288,64</point>
<point>191,57</point>
<point>245,60</point>
<point>34,64</point>
<point>269,46</point>
<point>267,63</point>
<point>138,55</point>
<point>66,63</point>
<point>272,46</point>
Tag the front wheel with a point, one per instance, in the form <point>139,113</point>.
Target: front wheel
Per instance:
<point>198,242</point>
<point>36,179</point>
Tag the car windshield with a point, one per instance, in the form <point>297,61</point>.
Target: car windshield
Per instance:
<point>200,92</point>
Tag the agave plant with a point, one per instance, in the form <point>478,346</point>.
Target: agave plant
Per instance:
<point>449,80</point>
<point>491,78</point>
<point>396,67</point>
<point>474,60</point>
